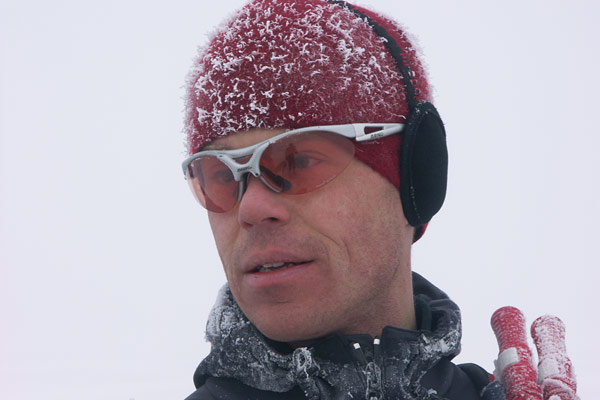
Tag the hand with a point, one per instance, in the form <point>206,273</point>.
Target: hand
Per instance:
<point>554,378</point>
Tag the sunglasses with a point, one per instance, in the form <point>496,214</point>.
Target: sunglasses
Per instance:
<point>294,162</point>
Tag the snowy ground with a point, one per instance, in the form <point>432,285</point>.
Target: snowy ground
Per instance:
<point>107,267</point>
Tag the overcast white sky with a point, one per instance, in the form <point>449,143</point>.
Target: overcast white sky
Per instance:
<point>107,265</point>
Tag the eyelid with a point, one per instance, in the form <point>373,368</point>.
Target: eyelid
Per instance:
<point>313,155</point>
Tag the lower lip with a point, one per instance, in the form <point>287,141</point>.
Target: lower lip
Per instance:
<point>278,277</point>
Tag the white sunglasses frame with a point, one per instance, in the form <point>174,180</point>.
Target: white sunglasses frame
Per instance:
<point>360,132</point>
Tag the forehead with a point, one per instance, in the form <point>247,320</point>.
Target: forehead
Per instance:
<point>243,139</point>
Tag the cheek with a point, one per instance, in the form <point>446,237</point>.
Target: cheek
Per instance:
<point>330,213</point>
<point>368,223</point>
<point>336,217</point>
<point>224,231</point>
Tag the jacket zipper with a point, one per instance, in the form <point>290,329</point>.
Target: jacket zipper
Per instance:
<point>372,369</point>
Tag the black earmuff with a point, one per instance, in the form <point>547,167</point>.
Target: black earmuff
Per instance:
<point>423,165</point>
<point>424,155</point>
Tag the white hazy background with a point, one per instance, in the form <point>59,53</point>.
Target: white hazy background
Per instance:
<point>107,265</point>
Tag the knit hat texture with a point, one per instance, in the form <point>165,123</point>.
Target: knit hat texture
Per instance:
<point>292,64</point>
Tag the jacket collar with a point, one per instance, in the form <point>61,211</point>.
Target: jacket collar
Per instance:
<point>240,351</point>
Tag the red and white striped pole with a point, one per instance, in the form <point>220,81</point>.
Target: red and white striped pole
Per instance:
<point>514,366</point>
<point>555,370</point>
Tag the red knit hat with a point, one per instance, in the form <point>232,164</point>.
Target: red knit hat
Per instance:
<point>293,64</point>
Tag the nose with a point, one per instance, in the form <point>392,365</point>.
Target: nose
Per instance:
<point>261,205</point>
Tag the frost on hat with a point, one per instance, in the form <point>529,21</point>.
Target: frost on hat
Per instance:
<point>292,64</point>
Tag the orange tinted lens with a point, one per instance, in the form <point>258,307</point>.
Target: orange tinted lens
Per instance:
<point>212,183</point>
<point>305,162</point>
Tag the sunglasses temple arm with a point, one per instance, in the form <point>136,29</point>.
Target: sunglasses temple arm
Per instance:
<point>362,136</point>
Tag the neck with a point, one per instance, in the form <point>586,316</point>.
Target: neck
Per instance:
<point>397,311</point>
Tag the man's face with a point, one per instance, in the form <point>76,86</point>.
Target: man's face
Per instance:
<point>345,249</point>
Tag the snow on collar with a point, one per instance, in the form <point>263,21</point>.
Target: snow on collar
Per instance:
<point>240,351</point>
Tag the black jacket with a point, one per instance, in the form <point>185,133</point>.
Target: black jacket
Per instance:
<point>243,364</point>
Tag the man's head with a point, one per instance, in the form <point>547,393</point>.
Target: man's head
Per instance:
<point>280,65</point>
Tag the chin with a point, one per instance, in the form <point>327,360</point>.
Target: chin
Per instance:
<point>297,333</point>
<point>294,339</point>
<point>291,318</point>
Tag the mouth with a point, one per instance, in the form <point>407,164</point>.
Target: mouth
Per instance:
<point>276,266</point>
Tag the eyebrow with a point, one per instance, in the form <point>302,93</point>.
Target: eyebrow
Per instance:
<point>215,146</point>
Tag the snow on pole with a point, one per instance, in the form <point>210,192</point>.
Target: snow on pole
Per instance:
<point>514,366</point>
<point>555,370</point>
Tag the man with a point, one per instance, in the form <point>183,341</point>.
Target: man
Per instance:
<point>314,226</point>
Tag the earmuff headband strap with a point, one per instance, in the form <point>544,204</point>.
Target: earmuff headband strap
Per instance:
<point>390,43</point>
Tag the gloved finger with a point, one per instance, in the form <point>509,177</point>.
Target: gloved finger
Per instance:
<point>514,367</point>
<point>555,370</point>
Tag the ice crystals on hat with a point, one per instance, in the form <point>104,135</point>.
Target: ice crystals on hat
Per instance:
<point>291,64</point>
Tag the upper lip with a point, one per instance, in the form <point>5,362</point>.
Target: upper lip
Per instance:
<point>254,261</point>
